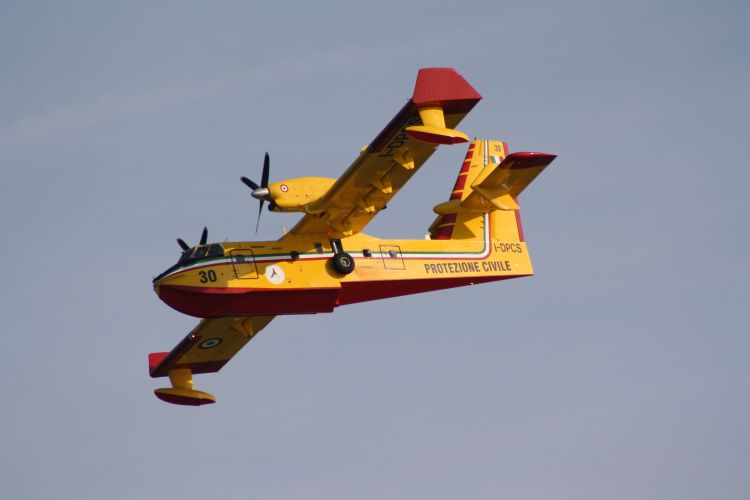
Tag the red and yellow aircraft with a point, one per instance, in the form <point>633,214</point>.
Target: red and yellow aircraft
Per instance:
<point>326,260</point>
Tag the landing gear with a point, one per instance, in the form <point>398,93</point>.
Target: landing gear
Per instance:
<point>342,262</point>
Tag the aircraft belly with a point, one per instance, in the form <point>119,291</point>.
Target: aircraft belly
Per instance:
<point>204,302</point>
<point>363,291</point>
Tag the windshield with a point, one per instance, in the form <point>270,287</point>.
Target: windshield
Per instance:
<point>201,252</point>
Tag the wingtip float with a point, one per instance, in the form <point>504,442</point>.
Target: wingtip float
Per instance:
<point>326,261</point>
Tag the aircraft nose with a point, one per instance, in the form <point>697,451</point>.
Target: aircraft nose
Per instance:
<point>158,282</point>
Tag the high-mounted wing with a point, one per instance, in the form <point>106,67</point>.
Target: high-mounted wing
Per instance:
<point>440,101</point>
<point>207,348</point>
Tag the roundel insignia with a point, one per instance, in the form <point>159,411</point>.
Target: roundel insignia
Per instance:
<point>284,188</point>
<point>274,274</point>
<point>208,344</point>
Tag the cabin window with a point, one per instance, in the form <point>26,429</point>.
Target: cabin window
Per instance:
<point>319,247</point>
<point>367,252</point>
<point>243,263</point>
<point>294,255</point>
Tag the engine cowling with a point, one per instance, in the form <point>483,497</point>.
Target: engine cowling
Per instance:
<point>292,195</point>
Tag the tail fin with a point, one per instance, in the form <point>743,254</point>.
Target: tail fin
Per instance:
<point>489,181</point>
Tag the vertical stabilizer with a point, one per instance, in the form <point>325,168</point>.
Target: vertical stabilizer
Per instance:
<point>453,222</point>
<point>489,181</point>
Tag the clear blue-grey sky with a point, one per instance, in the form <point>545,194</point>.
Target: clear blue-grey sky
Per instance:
<point>619,371</point>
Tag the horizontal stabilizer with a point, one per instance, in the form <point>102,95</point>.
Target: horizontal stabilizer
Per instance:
<point>498,185</point>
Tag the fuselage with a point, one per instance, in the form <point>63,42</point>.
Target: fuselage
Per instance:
<point>295,275</point>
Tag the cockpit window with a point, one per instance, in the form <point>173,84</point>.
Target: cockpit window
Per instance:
<point>201,252</point>
<point>215,250</point>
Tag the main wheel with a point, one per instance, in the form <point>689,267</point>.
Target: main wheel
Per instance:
<point>343,263</point>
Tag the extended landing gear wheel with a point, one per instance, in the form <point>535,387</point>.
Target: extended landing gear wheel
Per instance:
<point>343,263</point>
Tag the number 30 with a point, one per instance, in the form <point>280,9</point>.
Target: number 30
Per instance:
<point>207,276</point>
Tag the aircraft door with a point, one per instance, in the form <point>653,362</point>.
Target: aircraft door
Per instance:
<point>243,262</point>
<point>392,259</point>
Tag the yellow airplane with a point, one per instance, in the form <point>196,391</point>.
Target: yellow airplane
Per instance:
<point>326,261</point>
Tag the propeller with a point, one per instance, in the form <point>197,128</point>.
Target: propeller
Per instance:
<point>260,192</point>
<point>204,237</point>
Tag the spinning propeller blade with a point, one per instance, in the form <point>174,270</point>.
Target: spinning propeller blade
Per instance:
<point>249,183</point>
<point>260,192</point>
<point>204,237</point>
<point>266,169</point>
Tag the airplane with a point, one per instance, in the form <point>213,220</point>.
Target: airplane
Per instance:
<point>325,261</point>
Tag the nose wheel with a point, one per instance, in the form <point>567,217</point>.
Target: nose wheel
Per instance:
<point>342,262</point>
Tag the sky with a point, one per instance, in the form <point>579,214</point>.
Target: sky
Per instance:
<point>619,371</point>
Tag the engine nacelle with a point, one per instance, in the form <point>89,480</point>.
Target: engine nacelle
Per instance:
<point>292,194</point>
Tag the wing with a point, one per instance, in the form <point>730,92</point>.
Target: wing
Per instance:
<point>207,348</point>
<point>440,101</point>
